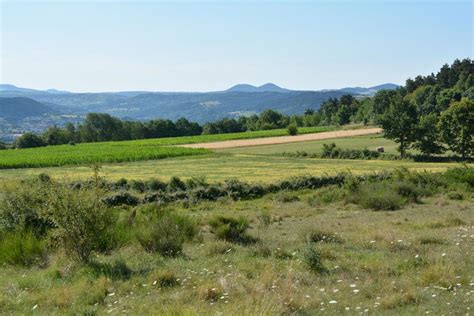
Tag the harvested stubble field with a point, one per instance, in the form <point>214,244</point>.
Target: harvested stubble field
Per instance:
<point>219,167</point>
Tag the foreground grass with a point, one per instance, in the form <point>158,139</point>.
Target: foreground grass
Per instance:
<point>135,150</point>
<point>415,260</point>
<point>218,167</point>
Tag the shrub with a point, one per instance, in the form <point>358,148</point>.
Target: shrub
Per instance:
<point>460,175</point>
<point>287,197</point>
<point>121,184</point>
<point>312,258</point>
<point>166,279</point>
<point>29,140</point>
<point>332,151</point>
<point>20,209</point>
<point>378,196</point>
<point>21,248</point>
<point>219,248</point>
<point>115,271</point>
<point>155,185</point>
<point>456,196</point>
<point>327,195</point>
<point>231,229</point>
<point>138,186</point>
<point>121,198</point>
<point>316,235</point>
<point>44,178</point>
<point>408,190</point>
<point>176,184</point>
<point>167,234</point>
<point>292,130</point>
<point>83,223</point>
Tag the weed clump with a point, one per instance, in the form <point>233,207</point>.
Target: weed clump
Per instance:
<point>21,248</point>
<point>312,258</point>
<point>316,236</point>
<point>166,279</point>
<point>378,197</point>
<point>115,271</point>
<point>167,234</point>
<point>231,229</point>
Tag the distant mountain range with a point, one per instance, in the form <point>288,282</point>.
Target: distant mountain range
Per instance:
<point>241,99</point>
<point>371,90</point>
<point>17,108</point>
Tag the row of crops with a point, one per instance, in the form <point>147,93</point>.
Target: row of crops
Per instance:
<point>135,150</point>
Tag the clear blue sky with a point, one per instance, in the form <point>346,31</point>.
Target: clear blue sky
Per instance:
<point>205,46</point>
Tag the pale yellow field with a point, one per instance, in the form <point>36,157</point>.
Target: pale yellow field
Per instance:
<point>218,167</point>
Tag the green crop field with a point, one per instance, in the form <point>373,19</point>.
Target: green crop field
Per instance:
<point>135,150</point>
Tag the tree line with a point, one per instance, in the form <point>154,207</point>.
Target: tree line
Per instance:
<point>431,113</point>
<point>100,127</point>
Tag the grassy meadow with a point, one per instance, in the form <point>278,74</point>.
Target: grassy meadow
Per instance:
<point>222,166</point>
<point>293,252</point>
<point>243,231</point>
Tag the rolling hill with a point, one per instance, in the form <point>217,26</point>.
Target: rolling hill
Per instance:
<point>18,108</point>
<point>241,99</point>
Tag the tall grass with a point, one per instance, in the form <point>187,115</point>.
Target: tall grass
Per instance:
<point>21,248</point>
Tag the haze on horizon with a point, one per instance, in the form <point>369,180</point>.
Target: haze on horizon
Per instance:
<point>210,46</point>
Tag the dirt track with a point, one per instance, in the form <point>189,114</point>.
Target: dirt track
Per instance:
<point>283,139</point>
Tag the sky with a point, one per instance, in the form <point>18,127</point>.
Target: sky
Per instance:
<point>209,46</point>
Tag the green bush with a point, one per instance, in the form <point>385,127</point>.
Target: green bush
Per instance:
<point>231,229</point>
<point>176,184</point>
<point>121,198</point>
<point>292,130</point>
<point>167,233</point>
<point>378,196</point>
<point>21,248</point>
<point>115,271</point>
<point>20,209</point>
<point>155,185</point>
<point>138,186</point>
<point>312,258</point>
<point>460,175</point>
<point>84,224</point>
<point>456,196</point>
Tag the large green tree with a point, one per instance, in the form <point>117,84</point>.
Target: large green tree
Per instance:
<point>457,127</point>
<point>427,135</point>
<point>399,123</point>
<point>29,140</point>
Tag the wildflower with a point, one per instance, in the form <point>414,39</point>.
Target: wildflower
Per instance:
<point>353,285</point>
<point>355,291</point>
<point>333,302</point>
<point>35,307</point>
